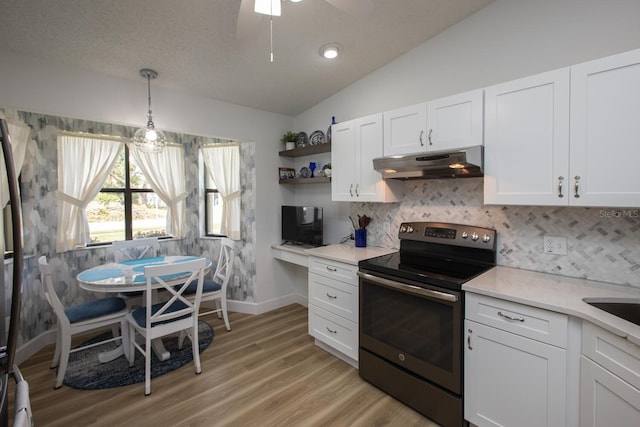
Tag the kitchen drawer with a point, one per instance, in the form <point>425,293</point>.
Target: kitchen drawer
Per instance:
<point>337,270</point>
<point>334,296</point>
<point>531,322</point>
<point>333,330</point>
<point>612,352</point>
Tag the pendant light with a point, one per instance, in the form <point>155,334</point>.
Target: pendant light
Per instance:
<point>147,138</point>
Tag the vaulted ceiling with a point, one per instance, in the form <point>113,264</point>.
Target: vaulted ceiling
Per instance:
<point>221,49</point>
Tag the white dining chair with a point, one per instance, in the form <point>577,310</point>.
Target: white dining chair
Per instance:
<point>215,291</point>
<point>80,319</point>
<point>127,250</point>
<point>124,250</point>
<point>177,314</point>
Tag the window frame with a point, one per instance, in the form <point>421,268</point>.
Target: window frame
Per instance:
<point>128,193</point>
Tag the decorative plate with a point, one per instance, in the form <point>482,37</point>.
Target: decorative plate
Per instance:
<point>328,138</point>
<point>316,137</point>
<point>303,140</point>
<point>304,172</point>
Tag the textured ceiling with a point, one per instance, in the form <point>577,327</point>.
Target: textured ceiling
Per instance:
<point>201,47</point>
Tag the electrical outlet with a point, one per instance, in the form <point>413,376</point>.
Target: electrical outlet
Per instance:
<point>555,245</point>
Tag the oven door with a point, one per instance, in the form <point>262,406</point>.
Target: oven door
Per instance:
<point>415,326</point>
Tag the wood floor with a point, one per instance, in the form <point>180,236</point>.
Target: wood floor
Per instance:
<point>265,372</point>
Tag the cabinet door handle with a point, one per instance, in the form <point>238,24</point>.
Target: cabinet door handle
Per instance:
<point>331,296</point>
<point>506,316</point>
<point>351,190</point>
<point>421,142</point>
<point>430,132</point>
<point>357,194</point>
<point>331,330</point>
<point>560,179</point>
<point>577,187</point>
<point>469,331</point>
<point>332,269</point>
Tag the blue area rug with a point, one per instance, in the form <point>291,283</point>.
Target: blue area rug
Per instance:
<point>85,372</point>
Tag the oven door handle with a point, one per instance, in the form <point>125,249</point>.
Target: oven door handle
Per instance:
<point>442,296</point>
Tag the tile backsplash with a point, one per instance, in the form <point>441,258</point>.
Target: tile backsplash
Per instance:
<point>603,243</point>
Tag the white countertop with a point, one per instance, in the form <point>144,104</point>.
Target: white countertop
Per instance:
<point>348,253</point>
<point>557,293</point>
<point>343,252</point>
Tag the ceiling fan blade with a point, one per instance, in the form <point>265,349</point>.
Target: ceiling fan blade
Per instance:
<point>353,7</point>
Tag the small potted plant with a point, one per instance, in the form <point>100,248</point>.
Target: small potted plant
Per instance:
<point>289,140</point>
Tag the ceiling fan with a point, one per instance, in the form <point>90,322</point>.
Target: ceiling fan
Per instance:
<point>253,12</point>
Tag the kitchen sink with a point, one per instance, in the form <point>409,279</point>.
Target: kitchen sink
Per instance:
<point>625,308</point>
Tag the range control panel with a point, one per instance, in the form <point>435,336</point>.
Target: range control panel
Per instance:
<point>448,234</point>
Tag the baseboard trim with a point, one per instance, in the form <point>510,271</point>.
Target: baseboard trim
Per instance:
<point>33,346</point>
<point>266,306</point>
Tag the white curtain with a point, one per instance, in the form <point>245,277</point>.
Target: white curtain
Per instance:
<point>19,135</point>
<point>223,165</point>
<point>165,173</point>
<point>84,163</point>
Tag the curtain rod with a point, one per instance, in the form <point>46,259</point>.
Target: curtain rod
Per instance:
<point>94,136</point>
<point>220,144</point>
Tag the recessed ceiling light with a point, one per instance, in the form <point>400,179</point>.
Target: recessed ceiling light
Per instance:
<point>330,51</point>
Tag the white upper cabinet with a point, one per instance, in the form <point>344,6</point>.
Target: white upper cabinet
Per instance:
<point>605,131</point>
<point>355,144</point>
<point>405,130</point>
<point>446,123</point>
<point>551,142</point>
<point>455,121</point>
<point>526,146</point>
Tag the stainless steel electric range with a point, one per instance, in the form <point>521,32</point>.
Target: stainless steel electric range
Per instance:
<point>412,313</point>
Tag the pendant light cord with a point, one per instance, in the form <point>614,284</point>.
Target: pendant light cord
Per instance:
<point>150,119</point>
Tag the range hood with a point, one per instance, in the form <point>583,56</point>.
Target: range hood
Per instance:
<point>459,163</point>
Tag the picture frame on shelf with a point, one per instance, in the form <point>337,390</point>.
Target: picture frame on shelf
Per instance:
<point>286,173</point>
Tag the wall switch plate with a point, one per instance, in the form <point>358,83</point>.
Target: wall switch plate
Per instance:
<point>555,245</point>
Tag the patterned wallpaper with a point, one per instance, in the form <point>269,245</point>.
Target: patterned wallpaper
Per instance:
<point>38,185</point>
<point>603,243</point>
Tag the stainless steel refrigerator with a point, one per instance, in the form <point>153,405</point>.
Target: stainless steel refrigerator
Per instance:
<point>10,372</point>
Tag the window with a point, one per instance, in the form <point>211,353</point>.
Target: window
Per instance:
<point>222,190</point>
<point>105,195</point>
<point>126,207</point>
<point>212,207</point>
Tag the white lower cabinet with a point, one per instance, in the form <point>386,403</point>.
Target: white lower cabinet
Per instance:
<point>333,306</point>
<point>606,399</point>
<point>515,364</point>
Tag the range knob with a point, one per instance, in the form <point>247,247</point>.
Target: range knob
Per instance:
<point>465,234</point>
<point>474,236</point>
<point>486,238</point>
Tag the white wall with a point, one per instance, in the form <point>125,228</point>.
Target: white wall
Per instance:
<point>30,84</point>
<point>506,40</point>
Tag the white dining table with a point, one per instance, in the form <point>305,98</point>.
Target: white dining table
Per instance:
<point>128,276</point>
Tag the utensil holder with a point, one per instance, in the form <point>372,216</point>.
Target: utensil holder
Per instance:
<point>361,238</point>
